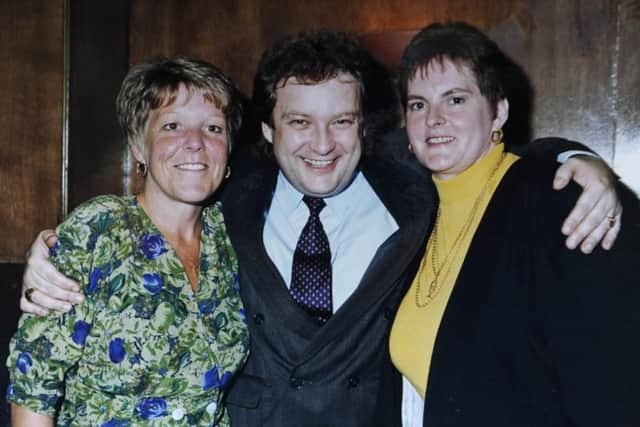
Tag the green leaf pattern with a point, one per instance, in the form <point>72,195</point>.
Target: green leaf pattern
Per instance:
<point>142,350</point>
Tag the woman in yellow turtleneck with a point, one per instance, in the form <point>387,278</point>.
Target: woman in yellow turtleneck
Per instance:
<point>502,325</point>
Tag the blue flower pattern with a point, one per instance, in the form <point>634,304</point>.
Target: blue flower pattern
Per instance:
<point>152,246</point>
<point>152,282</point>
<point>140,314</point>
<point>117,351</point>
<point>80,331</point>
<point>208,306</point>
<point>212,378</point>
<point>94,280</point>
<point>152,408</point>
<point>113,422</point>
<point>24,362</point>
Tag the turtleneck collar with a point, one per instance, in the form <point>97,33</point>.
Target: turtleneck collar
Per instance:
<point>468,183</point>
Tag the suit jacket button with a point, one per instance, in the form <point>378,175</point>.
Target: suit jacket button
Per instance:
<point>258,318</point>
<point>295,382</point>
<point>353,382</point>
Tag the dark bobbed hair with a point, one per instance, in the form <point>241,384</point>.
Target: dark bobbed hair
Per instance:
<point>315,56</point>
<point>155,83</point>
<point>462,44</point>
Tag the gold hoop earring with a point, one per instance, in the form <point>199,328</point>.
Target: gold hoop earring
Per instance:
<point>497,135</point>
<point>228,174</point>
<point>410,148</point>
<point>141,169</point>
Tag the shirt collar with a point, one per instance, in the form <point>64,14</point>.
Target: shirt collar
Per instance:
<point>339,204</point>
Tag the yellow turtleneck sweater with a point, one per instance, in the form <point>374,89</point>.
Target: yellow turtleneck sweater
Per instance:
<point>463,201</point>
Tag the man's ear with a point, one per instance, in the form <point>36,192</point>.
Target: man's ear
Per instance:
<point>267,132</point>
<point>502,113</point>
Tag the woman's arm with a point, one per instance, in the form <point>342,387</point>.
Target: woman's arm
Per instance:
<point>43,349</point>
<point>23,417</point>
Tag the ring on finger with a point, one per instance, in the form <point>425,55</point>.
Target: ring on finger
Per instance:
<point>29,293</point>
<point>612,221</point>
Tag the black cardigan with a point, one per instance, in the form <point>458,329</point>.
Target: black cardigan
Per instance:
<point>535,334</point>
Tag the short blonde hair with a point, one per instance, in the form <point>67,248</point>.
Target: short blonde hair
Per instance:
<point>155,83</point>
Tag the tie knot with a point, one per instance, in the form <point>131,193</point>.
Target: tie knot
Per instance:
<point>315,204</point>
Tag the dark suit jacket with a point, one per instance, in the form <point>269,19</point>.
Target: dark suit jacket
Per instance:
<point>340,374</point>
<point>535,334</point>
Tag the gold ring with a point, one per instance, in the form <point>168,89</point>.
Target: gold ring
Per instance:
<point>612,221</point>
<point>29,293</point>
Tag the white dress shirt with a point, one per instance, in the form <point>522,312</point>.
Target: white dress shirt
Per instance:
<point>412,405</point>
<point>355,221</point>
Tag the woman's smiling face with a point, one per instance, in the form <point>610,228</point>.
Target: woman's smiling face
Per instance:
<point>449,122</point>
<point>185,149</point>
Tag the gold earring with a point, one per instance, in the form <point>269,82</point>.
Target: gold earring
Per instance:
<point>228,174</point>
<point>497,135</point>
<point>142,169</point>
<point>410,148</point>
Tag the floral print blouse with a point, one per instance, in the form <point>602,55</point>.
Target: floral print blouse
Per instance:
<point>142,350</point>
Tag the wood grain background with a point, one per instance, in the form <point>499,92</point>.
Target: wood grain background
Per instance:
<point>31,66</point>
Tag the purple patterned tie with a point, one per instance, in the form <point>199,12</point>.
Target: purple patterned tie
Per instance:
<point>311,270</point>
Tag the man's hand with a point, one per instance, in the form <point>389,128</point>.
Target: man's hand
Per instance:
<point>51,289</point>
<point>598,212</point>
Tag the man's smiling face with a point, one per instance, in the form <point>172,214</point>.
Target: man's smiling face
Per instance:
<point>316,134</point>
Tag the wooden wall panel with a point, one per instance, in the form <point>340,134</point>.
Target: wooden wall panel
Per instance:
<point>627,88</point>
<point>570,63</point>
<point>233,34</point>
<point>222,32</point>
<point>98,61</point>
<point>31,66</point>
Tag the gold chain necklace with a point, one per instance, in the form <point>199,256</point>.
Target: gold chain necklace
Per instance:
<point>432,246</point>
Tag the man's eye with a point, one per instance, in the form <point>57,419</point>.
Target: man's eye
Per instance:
<point>298,123</point>
<point>214,129</point>
<point>416,106</point>
<point>456,100</point>
<point>343,123</point>
<point>170,126</point>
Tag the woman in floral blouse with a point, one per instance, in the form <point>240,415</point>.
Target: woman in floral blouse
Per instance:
<point>163,329</point>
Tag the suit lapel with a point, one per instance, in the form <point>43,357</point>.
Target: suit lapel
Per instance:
<point>249,200</point>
